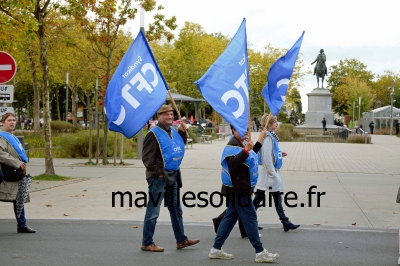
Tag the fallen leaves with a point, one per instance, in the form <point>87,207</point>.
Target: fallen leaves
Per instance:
<point>317,224</point>
<point>135,226</point>
<point>85,190</point>
<point>66,214</point>
<point>354,223</point>
<point>49,205</point>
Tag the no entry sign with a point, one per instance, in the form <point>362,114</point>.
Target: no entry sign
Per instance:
<point>8,67</point>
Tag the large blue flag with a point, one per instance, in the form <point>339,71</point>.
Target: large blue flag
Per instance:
<point>225,85</point>
<point>279,75</point>
<point>136,90</point>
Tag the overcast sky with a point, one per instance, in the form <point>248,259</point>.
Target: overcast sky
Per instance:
<point>366,30</point>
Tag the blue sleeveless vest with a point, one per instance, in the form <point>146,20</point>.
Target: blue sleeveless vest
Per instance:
<point>277,152</point>
<point>251,162</point>
<point>172,150</point>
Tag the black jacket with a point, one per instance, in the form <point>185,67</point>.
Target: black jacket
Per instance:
<point>240,173</point>
<point>152,158</point>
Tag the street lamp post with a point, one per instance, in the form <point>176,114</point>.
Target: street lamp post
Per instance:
<point>352,118</point>
<point>66,97</point>
<point>359,107</point>
<point>391,107</point>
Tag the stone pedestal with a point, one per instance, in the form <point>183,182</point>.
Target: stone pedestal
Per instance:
<point>319,106</point>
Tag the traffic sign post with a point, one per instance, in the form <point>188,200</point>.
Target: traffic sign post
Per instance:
<point>8,67</point>
<point>6,93</point>
<point>4,110</point>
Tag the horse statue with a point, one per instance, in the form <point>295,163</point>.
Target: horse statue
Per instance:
<point>320,69</point>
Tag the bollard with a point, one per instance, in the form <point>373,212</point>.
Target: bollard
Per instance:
<point>366,138</point>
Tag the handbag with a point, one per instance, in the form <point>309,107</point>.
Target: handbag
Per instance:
<point>12,174</point>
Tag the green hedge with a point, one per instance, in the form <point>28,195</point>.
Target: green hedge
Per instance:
<point>61,126</point>
<point>75,145</point>
<point>286,133</point>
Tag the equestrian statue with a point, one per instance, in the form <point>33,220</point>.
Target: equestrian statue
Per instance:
<point>320,68</point>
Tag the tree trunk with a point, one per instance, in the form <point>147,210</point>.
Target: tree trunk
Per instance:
<point>36,116</point>
<point>49,168</point>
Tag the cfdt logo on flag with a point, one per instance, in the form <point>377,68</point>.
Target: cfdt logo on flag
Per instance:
<point>8,67</point>
<point>136,91</point>
<point>225,85</point>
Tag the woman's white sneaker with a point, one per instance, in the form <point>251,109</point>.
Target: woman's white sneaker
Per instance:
<point>265,256</point>
<point>219,254</point>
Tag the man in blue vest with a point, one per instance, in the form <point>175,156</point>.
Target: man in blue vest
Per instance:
<point>163,151</point>
<point>239,176</point>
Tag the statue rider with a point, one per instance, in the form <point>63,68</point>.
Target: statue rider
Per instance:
<point>321,58</point>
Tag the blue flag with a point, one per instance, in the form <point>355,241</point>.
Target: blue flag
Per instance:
<point>225,85</point>
<point>136,90</point>
<point>279,74</point>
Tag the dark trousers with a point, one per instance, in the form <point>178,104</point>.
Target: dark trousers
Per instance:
<point>239,206</point>
<point>218,220</point>
<point>277,196</point>
<point>21,221</point>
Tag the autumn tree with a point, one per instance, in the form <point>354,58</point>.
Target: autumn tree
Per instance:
<point>349,91</point>
<point>194,52</point>
<point>381,87</point>
<point>102,20</point>
<point>347,67</point>
<point>31,17</point>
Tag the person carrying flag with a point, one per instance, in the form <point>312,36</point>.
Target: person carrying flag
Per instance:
<point>239,176</point>
<point>270,178</point>
<point>163,151</point>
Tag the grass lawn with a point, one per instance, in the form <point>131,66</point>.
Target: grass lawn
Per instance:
<point>44,177</point>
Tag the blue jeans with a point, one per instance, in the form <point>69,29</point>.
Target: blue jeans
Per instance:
<point>277,196</point>
<point>158,190</point>
<point>239,206</point>
<point>21,221</point>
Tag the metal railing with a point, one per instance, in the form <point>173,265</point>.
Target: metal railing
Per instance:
<point>365,134</point>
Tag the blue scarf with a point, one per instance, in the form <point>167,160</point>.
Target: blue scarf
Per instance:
<point>16,144</point>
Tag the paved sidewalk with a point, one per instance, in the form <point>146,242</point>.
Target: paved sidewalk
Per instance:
<point>360,184</point>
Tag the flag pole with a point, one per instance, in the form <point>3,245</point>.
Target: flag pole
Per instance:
<point>139,141</point>
<point>176,109</point>
<point>268,118</point>
<point>249,122</point>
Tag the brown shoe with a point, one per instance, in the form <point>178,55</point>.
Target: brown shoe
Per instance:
<point>187,243</point>
<point>153,248</point>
